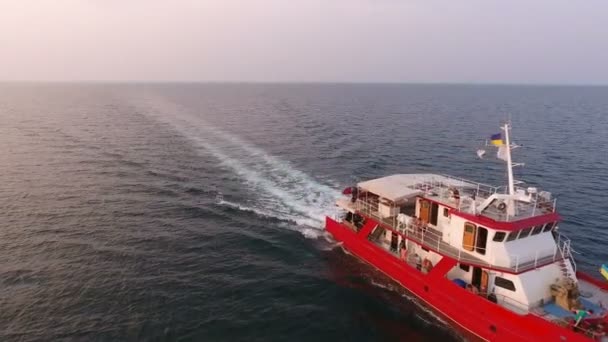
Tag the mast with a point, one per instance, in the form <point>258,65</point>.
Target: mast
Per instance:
<point>511,210</point>
<point>510,197</point>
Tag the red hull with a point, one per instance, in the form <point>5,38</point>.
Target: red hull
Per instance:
<point>474,314</point>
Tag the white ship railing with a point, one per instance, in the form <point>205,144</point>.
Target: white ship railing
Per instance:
<point>565,247</point>
<point>474,193</point>
<point>431,238</point>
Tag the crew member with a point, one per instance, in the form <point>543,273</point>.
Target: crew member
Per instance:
<point>579,315</point>
<point>403,250</point>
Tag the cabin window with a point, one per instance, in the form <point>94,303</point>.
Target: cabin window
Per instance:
<point>524,233</point>
<point>408,209</point>
<point>499,236</point>
<point>434,213</point>
<point>548,226</point>
<point>512,236</point>
<point>446,212</point>
<point>537,229</point>
<point>504,283</point>
<point>464,267</point>
<point>425,249</point>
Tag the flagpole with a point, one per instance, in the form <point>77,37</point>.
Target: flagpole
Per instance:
<point>509,162</point>
<point>510,202</point>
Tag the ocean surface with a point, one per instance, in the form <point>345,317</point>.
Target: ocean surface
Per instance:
<point>194,212</point>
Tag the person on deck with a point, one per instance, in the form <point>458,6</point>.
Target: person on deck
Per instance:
<point>483,290</point>
<point>456,195</point>
<point>599,333</point>
<point>579,315</point>
<point>403,250</point>
<point>354,194</point>
<point>418,225</point>
<point>414,223</point>
<point>474,289</point>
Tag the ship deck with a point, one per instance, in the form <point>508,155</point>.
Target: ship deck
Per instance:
<point>592,298</point>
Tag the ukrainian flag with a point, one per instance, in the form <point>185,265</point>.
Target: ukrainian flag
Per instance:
<point>604,271</point>
<point>496,139</point>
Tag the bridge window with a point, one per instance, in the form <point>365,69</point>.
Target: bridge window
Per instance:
<point>524,233</point>
<point>446,212</point>
<point>499,236</point>
<point>464,267</point>
<point>504,283</point>
<point>549,226</point>
<point>537,229</point>
<point>512,236</point>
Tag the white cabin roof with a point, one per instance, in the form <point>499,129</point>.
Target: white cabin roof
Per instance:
<point>401,187</point>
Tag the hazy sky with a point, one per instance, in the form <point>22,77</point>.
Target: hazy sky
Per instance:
<point>506,41</point>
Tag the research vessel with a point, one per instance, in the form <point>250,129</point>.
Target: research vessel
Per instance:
<point>490,260</point>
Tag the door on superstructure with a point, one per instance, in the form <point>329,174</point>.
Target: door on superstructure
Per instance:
<point>477,276</point>
<point>424,210</point>
<point>481,240</point>
<point>434,213</point>
<point>468,238</point>
<point>483,286</point>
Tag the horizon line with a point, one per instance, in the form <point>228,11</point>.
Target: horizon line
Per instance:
<point>539,84</point>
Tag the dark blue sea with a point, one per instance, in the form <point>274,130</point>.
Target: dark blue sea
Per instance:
<point>194,212</point>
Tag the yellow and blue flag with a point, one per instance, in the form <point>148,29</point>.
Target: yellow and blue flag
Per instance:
<point>496,139</point>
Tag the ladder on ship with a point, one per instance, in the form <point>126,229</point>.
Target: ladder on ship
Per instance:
<point>565,249</point>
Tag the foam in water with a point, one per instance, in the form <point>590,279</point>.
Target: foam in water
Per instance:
<point>245,208</point>
<point>283,192</point>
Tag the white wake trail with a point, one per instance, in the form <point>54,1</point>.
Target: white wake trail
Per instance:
<point>283,191</point>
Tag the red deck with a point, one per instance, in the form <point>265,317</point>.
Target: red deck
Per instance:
<point>472,314</point>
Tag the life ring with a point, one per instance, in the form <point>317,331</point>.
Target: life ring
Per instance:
<point>502,206</point>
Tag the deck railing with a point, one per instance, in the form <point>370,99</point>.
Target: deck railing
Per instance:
<point>431,238</point>
<point>474,193</point>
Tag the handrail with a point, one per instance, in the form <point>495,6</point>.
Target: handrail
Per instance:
<point>431,238</point>
<point>479,185</point>
<point>431,184</point>
<point>565,249</point>
<point>525,307</point>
